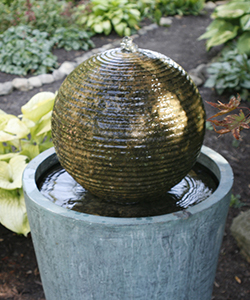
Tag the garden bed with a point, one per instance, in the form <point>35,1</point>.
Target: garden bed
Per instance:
<point>19,274</point>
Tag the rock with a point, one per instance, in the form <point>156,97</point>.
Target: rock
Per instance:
<point>58,75</point>
<point>6,88</point>
<point>209,5</point>
<point>240,230</point>
<point>197,80</point>
<point>21,84</point>
<point>35,81</point>
<point>67,67</point>
<point>46,78</point>
<point>199,74</point>
<point>142,31</point>
<point>165,21</point>
<point>82,58</point>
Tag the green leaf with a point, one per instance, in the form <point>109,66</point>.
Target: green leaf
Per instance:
<point>243,43</point>
<point>38,106</point>
<point>29,149</point>
<point>119,28</point>
<point>213,28</point>
<point>231,10</point>
<point>98,28</point>
<point>245,22</point>
<point>107,27</point>
<point>11,128</point>
<point>222,36</point>
<point>11,172</point>
<point>13,213</point>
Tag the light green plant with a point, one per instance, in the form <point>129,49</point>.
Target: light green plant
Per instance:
<point>231,21</point>
<point>105,16</point>
<point>230,73</point>
<point>24,50</point>
<point>21,139</point>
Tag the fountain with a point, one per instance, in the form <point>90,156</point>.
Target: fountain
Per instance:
<point>128,126</point>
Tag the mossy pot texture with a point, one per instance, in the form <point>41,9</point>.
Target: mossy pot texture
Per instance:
<point>128,125</point>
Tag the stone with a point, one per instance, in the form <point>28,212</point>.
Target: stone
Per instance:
<point>35,81</point>
<point>21,84</point>
<point>199,74</point>
<point>209,5</point>
<point>82,58</point>
<point>142,31</point>
<point>197,80</point>
<point>240,230</point>
<point>58,75</point>
<point>165,21</point>
<point>67,67</point>
<point>46,78</point>
<point>6,88</point>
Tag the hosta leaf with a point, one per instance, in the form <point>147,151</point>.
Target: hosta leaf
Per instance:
<point>222,36</point>
<point>245,22</point>
<point>213,28</point>
<point>231,10</point>
<point>11,172</point>
<point>107,27</point>
<point>13,211</point>
<point>119,28</point>
<point>7,156</point>
<point>98,28</point>
<point>38,106</point>
<point>29,149</point>
<point>243,43</point>
<point>16,128</point>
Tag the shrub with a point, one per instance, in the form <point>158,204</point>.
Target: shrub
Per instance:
<point>21,139</point>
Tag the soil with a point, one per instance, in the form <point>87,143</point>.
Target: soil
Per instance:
<point>19,274</point>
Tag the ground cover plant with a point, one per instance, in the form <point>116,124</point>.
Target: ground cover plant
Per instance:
<point>230,73</point>
<point>30,29</point>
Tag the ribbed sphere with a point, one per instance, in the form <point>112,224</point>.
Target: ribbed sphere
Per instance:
<point>128,126</point>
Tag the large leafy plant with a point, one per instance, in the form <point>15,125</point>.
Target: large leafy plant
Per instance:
<point>230,73</point>
<point>21,139</point>
<point>231,21</point>
<point>24,50</point>
<point>105,16</point>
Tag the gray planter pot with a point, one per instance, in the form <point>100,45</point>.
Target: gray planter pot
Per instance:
<point>168,257</point>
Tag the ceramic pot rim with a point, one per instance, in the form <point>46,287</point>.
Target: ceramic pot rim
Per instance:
<point>217,164</point>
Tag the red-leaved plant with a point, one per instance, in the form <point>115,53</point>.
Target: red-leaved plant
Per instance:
<point>233,123</point>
